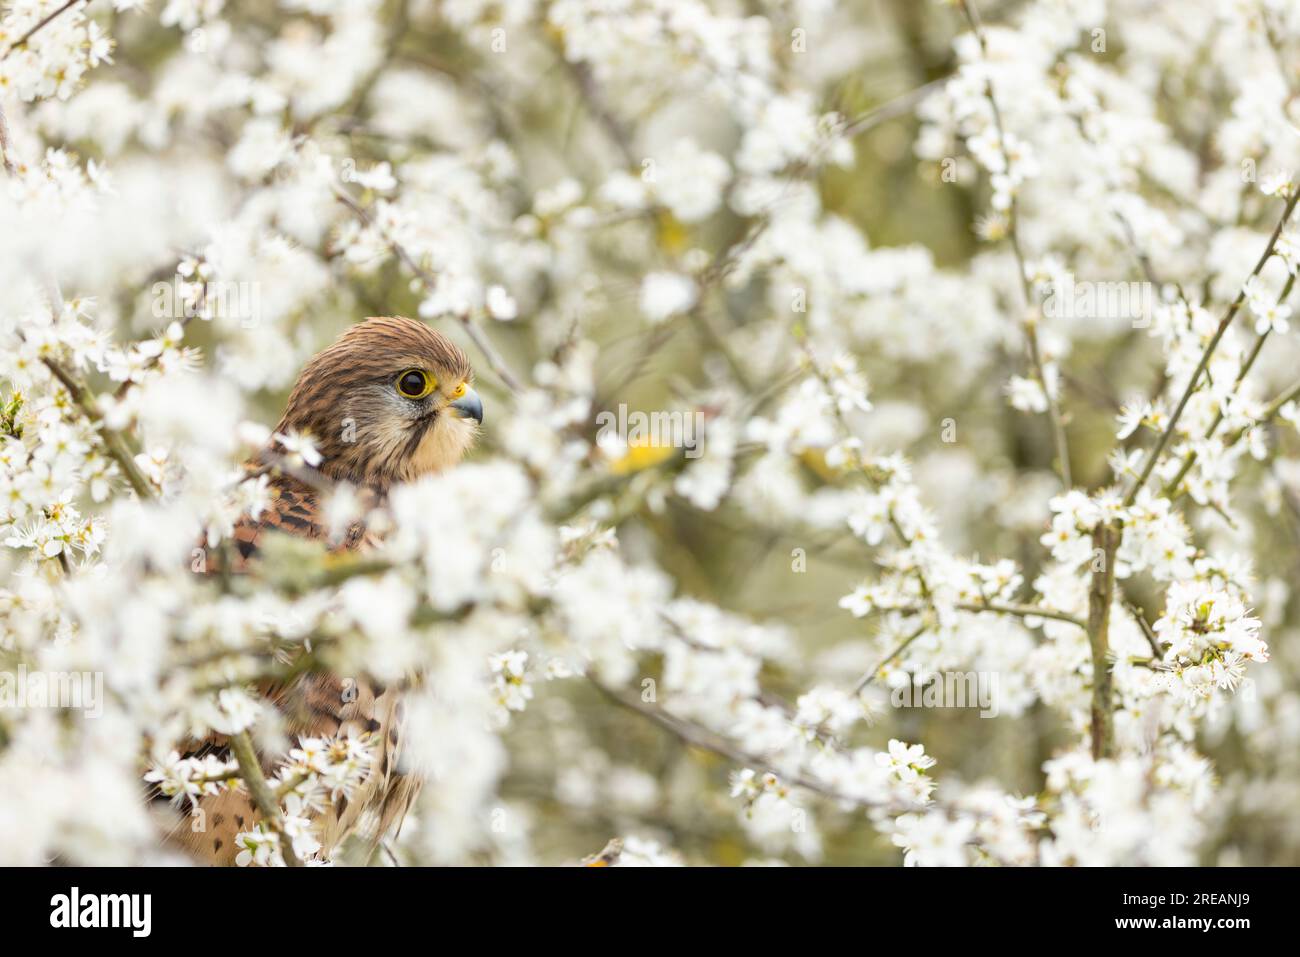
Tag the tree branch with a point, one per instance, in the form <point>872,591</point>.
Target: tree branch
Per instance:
<point>241,746</point>
<point>1030,322</point>
<point>1105,541</point>
<point>41,25</point>
<point>114,442</point>
<point>1154,455</point>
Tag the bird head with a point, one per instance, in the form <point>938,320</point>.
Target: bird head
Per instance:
<point>391,400</point>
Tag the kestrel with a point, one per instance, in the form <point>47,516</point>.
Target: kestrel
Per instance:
<point>390,401</point>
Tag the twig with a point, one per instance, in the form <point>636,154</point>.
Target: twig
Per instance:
<point>1030,322</point>
<point>900,105</point>
<point>611,124</point>
<point>847,432</point>
<point>114,444</point>
<point>1274,407</point>
<point>699,737</point>
<point>717,270</point>
<point>1190,458</point>
<point>1147,633</point>
<point>5,160</point>
<point>871,674</point>
<point>41,25</point>
<point>290,785</point>
<point>1105,540</point>
<point>241,746</point>
<point>1022,611</point>
<point>1270,412</point>
<point>1192,383</point>
<point>495,361</point>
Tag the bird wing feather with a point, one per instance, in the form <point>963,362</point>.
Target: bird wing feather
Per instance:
<point>313,705</point>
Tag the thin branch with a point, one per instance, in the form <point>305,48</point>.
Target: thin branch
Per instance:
<point>429,281</point>
<point>873,672</point>
<point>700,737</point>
<point>707,740</point>
<point>6,161</point>
<point>1147,633</point>
<point>1030,322</point>
<point>1190,458</point>
<point>1105,540</point>
<point>595,103</point>
<point>847,432</point>
<point>718,269</point>
<point>1154,455</point>
<point>900,105</point>
<point>1274,407</point>
<point>1016,609</point>
<point>292,784</point>
<point>241,746</point>
<point>114,443</point>
<point>1022,611</point>
<point>232,775</point>
<point>1270,412</point>
<point>41,25</point>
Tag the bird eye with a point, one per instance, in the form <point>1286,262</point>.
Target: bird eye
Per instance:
<point>415,383</point>
<point>460,391</point>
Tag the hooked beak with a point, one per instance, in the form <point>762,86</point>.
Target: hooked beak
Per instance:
<point>469,406</point>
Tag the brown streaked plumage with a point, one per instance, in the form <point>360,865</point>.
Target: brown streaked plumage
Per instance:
<point>368,433</point>
<point>372,432</point>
